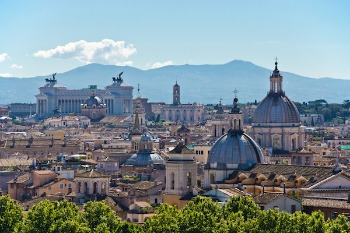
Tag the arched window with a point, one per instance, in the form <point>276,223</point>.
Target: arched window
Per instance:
<point>79,187</point>
<point>172,179</point>
<point>86,190</point>
<point>95,188</point>
<point>103,188</point>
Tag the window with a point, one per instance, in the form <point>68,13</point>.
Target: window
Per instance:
<point>69,185</point>
<point>61,186</point>
<point>172,178</point>
<point>262,207</point>
<point>49,188</point>
<point>293,208</point>
<point>212,178</point>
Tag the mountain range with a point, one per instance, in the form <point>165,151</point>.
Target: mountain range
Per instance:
<point>199,83</point>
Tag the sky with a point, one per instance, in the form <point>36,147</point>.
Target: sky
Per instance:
<point>310,38</point>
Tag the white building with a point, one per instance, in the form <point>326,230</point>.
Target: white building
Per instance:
<point>54,97</point>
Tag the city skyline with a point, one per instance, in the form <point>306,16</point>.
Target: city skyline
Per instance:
<point>39,38</point>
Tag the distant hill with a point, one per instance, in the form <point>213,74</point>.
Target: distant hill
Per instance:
<point>199,83</point>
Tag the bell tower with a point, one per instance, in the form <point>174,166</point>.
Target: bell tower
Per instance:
<point>176,94</point>
<point>276,81</point>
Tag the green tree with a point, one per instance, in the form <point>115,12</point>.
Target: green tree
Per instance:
<point>339,225</point>
<point>244,204</point>
<point>70,226</point>
<point>316,222</point>
<point>298,222</point>
<point>11,215</point>
<point>40,218</point>
<point>98,215</point>
<point>166,221</point>
<point>53,217</point>
<point>202,215</point>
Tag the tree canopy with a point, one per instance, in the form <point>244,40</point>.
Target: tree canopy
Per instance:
<point>238,215</point>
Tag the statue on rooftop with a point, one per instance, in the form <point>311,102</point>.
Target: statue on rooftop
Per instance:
<point>118,80</point>
<point>53,80</point>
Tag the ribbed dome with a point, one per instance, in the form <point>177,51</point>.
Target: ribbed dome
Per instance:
<point>276,108</point>
<point>234,150</point>
<point>93,100</point>
<point>144,159</point>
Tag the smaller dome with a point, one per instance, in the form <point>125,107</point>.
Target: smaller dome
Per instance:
<point>144,159</point>
<point>234,150</point>
<point>93,100</point>
<point>145,138</point>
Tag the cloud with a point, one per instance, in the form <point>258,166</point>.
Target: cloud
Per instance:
<point>106,51</point>
<point>161,64</point>
<point>5,75</point>
<point>4,57</point>
<point>15,66</point>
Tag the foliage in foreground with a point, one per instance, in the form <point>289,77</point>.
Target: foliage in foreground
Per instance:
<point>240,214</point>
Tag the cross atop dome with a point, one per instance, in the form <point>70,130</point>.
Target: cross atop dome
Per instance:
<point>235,91</point>
<point>276,63</point>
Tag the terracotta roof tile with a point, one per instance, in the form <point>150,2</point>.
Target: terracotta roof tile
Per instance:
<point>326,203</point>
<point>91,174</point>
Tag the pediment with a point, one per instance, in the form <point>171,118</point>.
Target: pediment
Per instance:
<point>339,181</point>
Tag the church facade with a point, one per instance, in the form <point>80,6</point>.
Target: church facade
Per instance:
<point>53,97</point>
<point>184,113</point>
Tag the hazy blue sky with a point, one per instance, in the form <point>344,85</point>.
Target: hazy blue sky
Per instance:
<point>310,38</point>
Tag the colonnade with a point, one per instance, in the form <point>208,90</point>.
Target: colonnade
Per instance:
<point>110,106</point>
<point>42,106</point>
<point>70,105</point>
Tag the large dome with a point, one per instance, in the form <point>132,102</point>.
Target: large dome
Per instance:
<point>234,150</point>
<point>276,108</point>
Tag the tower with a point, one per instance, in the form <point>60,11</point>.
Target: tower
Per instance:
<point>176,94</point>
<point>136,133</point>
<point>181,171</point>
